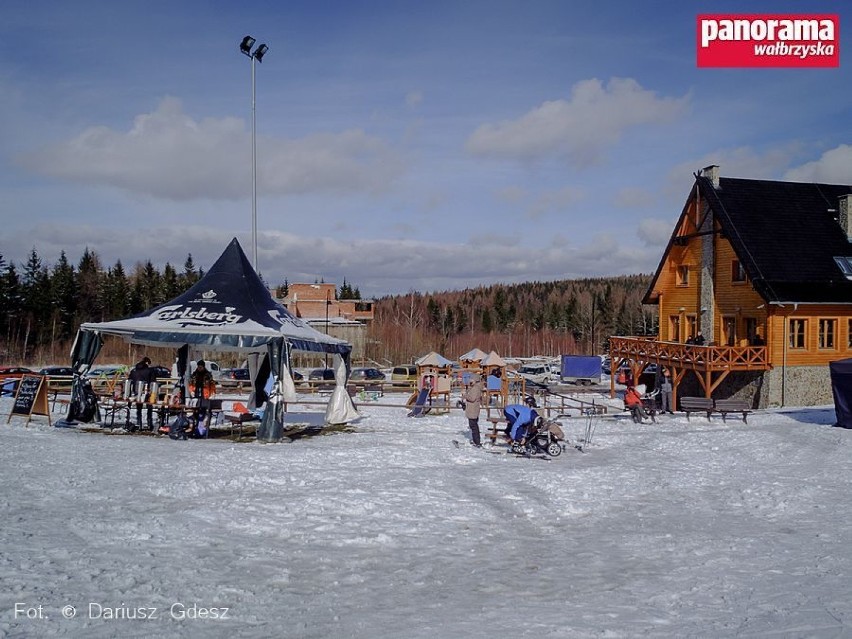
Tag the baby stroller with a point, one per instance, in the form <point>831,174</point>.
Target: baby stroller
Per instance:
<point>543,437</point>
<point>650,402</point>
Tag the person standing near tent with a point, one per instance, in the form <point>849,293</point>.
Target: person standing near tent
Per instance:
<point>140,380</point>
<point>472,404</point>
<point>201,387</point>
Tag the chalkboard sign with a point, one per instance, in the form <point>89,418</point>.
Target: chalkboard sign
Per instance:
<point>30,398</point>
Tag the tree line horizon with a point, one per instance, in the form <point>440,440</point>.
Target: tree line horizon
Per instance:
<point>42,306</point>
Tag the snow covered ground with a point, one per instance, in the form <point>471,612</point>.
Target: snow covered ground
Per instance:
<point>675,529</point>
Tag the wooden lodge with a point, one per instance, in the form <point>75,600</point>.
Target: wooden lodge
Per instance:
<point>763,270</point>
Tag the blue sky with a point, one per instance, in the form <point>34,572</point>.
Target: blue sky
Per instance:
<point>401,145</point>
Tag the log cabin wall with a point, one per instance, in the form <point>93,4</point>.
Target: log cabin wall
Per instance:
<point>737,306</point>
<point>680,284</point>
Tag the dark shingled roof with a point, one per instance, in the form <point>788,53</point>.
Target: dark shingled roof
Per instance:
<point>785,236</point>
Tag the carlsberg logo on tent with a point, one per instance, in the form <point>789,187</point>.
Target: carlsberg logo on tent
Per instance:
<point>760,30</point>
<point>186,316</point>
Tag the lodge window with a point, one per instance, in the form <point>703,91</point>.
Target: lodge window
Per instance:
<point>691,326</point>
<point>729,330</point>
<point>849,334</point>
<point>674,328</point>
<point>683,276</point>
<point>798,333</point>
<point>738,274</point>
<point>827,332</point>
<point>752,334</point>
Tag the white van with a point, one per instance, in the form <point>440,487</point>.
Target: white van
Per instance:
<point>538,373</point>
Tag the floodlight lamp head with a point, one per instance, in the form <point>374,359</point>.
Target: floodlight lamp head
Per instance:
<point>247,44</point>
<point>260,52</point>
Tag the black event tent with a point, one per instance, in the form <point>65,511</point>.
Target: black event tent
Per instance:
<point>230,310</point>
<point>841,387</point>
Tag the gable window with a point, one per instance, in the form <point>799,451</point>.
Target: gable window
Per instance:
<point>738,274</point>
<point>827,332</point>
<point>798,333</point>
<point>845,265</point>
<point>683,275</point>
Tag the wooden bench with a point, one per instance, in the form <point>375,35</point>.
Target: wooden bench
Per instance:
<point>725,406</point>
<point>696,405</point>
<point>496,423</point>
<point>237,420</point>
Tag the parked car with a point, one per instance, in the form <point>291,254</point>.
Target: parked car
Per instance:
<point>57,371</point>
<point>235,374</point>
<point>537,373</point>
<point>10,376</point>
<point>161,372</point>
<point>107,370</point>
<point>59,378</point>
<point>404,375</point>
<point>15,372</point>
<point>319,375</point>
<point>366,374</point>
<point>367,378</point>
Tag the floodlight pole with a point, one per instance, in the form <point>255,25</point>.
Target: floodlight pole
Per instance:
<point>257,54</point>
<point>253,170</point>
<point>327,304</point>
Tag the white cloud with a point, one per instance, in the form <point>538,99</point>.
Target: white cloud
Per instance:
<point>655,232</point>
<point>833,167</point>
<point>413,99</point>
<point>631,197</point>
<point>512,193</point>
<point>167,154</point>
<point>376,266</point>
<point>742,162</point>
<point>553,201</point>
<point>536,206</point>
<point>579,129</point>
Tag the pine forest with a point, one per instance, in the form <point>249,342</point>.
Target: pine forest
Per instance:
<point>41,307</point>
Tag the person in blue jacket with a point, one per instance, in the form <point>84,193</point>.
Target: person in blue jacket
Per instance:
<point>521,419</point>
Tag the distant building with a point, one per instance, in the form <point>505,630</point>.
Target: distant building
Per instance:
<point>317,304</point>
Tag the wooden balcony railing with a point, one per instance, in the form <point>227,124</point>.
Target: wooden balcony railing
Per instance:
<point>688,356</point>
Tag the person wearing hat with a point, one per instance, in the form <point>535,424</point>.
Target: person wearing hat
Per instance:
<point>140,379</point>
<point>201,386</point>
<point>472,398</point>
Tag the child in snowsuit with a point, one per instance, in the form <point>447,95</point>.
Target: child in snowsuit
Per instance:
<point>633,402</point>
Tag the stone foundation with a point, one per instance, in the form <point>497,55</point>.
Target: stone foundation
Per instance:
<point>804,386</point>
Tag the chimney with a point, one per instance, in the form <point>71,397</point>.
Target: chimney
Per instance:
<point>712,173</point>
<point>843,215</point>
